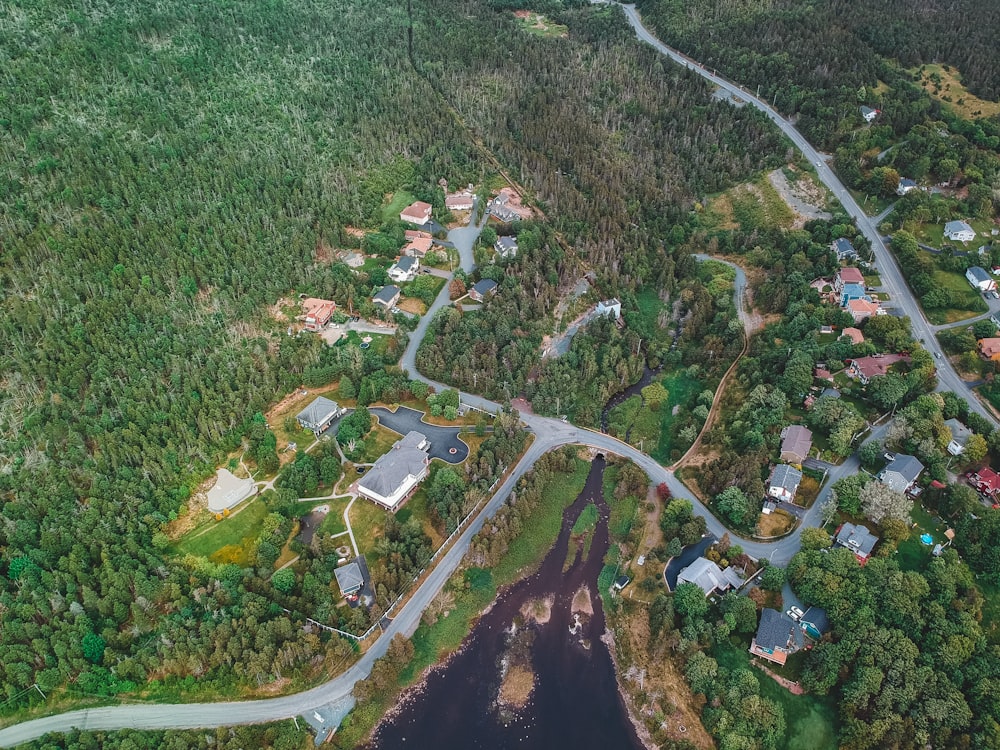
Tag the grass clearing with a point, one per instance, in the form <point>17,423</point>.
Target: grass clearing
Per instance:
<point>419,507</point>
<point>758,205</point>
<point>971,301</point>
<point>367,522</point>
<point>776,523</point>
<point>809,718</point>
<point>397,202</point>
<point>228,540</point>
<point>944,83</point>
<point>536,23</point>
<point>682,390</point>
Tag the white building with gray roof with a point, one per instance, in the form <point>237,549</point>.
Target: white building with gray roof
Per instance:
<point>398,472</point>
<point>709,577</point>
<point>319,415</point>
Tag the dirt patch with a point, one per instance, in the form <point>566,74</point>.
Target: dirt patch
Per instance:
<point>582,602</point>
<point>774,524</point>
<point>355,232</point>
<point>517,686</point>
<point>412,305</point>
<point>192,513</point>
<point>806,199</point>
<point>277,310</point>
<point>722,209</point>
<point>538,610</point>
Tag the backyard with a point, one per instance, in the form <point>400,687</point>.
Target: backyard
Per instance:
<point>399,200</point>
<point>229,540</point>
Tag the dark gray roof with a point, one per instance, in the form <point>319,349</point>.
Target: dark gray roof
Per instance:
<point>957,226</point>
<point>907,182</point>
<point>867,110</point>
<point>385,294</point>
<point>906,466</point>
<point>319,411</point>
<point>485,286</point>
<point>349,578</point>
<point>816,616</point>
<point>978,273</point>
<point>844,247</point>
<point>507,243</point>
<point>856,538</point>
<point>779,631</point>
<point>391,469</point>
<point>785,476</point>
<point>796,439</point>
<point>709,577</point>
<point>406,263</point>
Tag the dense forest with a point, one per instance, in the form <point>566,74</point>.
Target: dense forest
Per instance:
<point>820,60</point>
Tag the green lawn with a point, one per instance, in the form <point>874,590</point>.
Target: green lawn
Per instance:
<point>913,554</point>
<point>400,200</point>
<point>971,302</point>
<point>367,522</point>
<point>991,609</point>
<point>227,540</point>
<point>681,389</point>
<point>809,719</point>
<point>377,443</point>
<point>334,521</point>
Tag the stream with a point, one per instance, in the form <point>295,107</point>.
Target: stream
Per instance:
<point>545,628</point>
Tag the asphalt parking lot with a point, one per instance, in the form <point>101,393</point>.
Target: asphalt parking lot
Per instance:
<point>443,440</point>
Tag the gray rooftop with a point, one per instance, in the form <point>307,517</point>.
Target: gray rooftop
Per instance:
<point>778,631</point>
<point>386,294</point>
<point>786,477</point>
<point>485,286</point>
<point>349,578</point>
<point>708,576</point>
<point>856,538</point>
<point>507,243</point>
<point>959,432</point>
<point>406,263</point>
<point>957,226</point>
<point>907,182</point>
<point>979,274</point>
<point>796,439</point>
<point>319,411</point>
<point>391,469</point>
<point>906,466</point>
<point>816,616</point>
<point>844,247</point>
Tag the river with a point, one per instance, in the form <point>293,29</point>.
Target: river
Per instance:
<point>574,703</point>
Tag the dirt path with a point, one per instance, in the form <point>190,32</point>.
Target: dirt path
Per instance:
<point>804,197</point>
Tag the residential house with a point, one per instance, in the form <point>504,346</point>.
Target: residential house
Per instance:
<point>848,275</point>
<point>862,309</point>
<point>317,312</point>
<point>844,249</point>
<point>959,231</point>
<point>609,308</point>
<point>986,481</point>
<point>854,334</point>
<point>416,234</point>
<point>349,578</point>
<point>796,442</point>
<point>981,281</point>
<point>398,472</point>
<point>905,186</point>
<point>461,201</point>
<point>901,472</point>
<point>404,269</point>
<point>989,348</point>
<point>784,482</point>
<point>319,415</point>
<point>483,289</point>
<point>709,577</point>
<point>851,292</point>
<point>507,206</point>
<point>418,213</point>
<point>869,114</point>
<point>387,296</point>
<point>960,435</point>
<point>506,247</point>
<point>229,491</point>
<point>822,373</point>
<point>418,247</point>
<point>814,622</point>
<point>858,539</point>
<point>866,368</point>
<point>778,636</point>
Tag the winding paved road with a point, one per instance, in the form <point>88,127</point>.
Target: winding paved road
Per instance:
<point>549,434</point>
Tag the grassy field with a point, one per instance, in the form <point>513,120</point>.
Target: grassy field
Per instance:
<point>367,522</point>
<point>912,554</point>
<point>759,206</point>
<point>681,389</point>
<point>536,23</point>
<point>972,302</point>
<point>946,86</point>
<point>397,203</point>
<point>418,507</point>
<point>377,443</point>
<point>809,718</point>
<point>228,540</point>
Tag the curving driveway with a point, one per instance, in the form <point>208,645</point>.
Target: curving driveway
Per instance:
<point>443,440</point>
<point>549,434</point>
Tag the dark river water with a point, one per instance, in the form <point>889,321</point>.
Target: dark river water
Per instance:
<point>574,704</point>
<point>632,390</point>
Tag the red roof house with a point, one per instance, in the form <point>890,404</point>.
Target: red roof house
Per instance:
<point>866,368</point>
<point>986,481</point>
<point>418,213</point>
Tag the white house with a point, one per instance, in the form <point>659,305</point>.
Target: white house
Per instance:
<point>418,213</point>
<point>404,269</point>
<point>397,472</point>
<point>959,231</point>
<point>609,308</point>
<point>869,114</point>
<point>980,280</point>
<point>506,247</point>
<point>905,186</point>
<point>784,482</point>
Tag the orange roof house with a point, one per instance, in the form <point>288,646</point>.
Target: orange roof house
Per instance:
<point>418,213</point>
<point>418,247</point>
<point>416,234</point>
<point>317,312</point>
<point>866,368</point>
<point>854,335</point>
<point>862,309</point>
<point>989,348</point>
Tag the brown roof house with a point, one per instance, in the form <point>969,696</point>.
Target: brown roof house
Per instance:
<point>866,368</point>
<point>854,335</point>
<point>317,312</point>
<point>847,275</point>
<point>989,348</point>
<point>418,213</point>
<point>796,442</point>
<point>460,201</point>
<point>862,309</point>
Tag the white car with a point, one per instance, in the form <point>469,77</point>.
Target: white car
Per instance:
<point>795,613</point>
